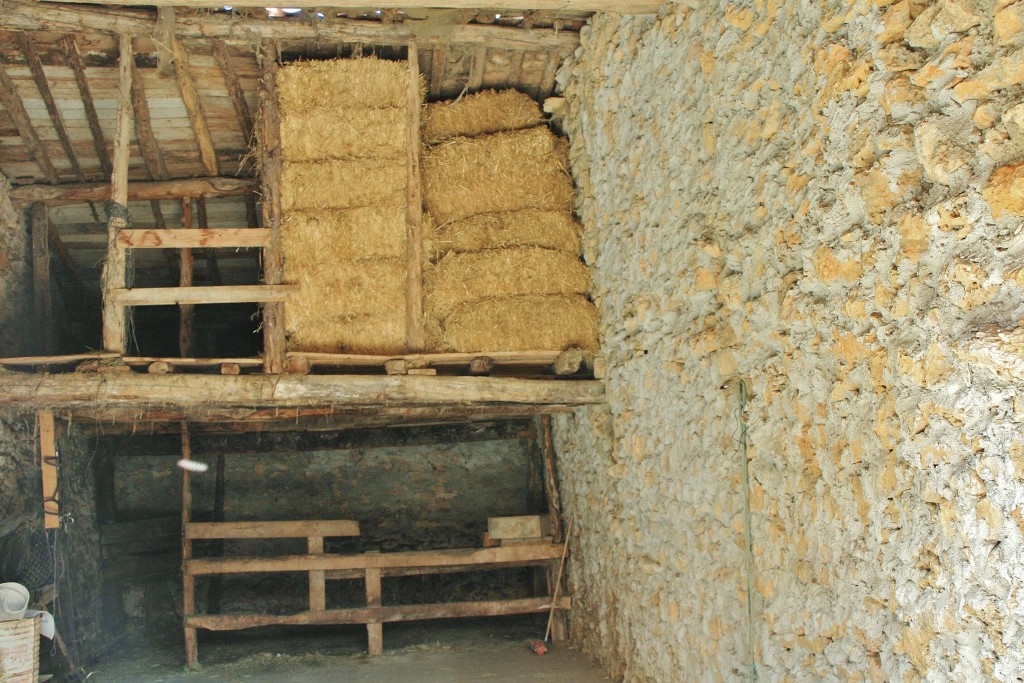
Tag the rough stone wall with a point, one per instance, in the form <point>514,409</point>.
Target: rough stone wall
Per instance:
<point>15,268</point>
<point>822,199</point>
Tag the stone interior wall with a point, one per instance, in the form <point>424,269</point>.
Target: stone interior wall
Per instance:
<point>15,270</point>
<point>823,200</point>
<point>405,497</point>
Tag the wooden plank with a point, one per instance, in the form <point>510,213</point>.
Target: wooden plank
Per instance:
<point>23,15</point>
<point>115,265</point>
<point>209,238</point>
<point>234,294</point>
<point>551,479</point>
<point>613,6</point>
<point>188,586</point>
<point>506,358</point>
<point>270,184</point>
<point>73,58</point>
<point>190,362</point>
<point>186,312</point>
<point>395,613</point>
<point>35,67</point>
<point>42,301</point>
<point>73,193</point>
<point>12,102</point>
<point>403,397</point>
<point>423,571</point>
<point>415,335</point>
<point>317,579</point>
<point>518,527</point>
<point>48,464</point>
<point>194,107</point>
<point>374,629</point>
<point>438,64</point>
<point>323,528</point>
<point>414,558</point>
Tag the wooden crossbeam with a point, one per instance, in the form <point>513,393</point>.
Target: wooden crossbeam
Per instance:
<point>196,238</point>
<point>12,102</point>
<point>235,294</point>
<point>73,193</point>
<point>324,528</point>
<point>394,613</point>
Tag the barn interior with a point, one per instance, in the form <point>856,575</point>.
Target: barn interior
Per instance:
<point>682,339</point>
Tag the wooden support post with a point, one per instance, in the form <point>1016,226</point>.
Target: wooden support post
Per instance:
<point>115,266</point>
<point>317,578</point>
<point>273,263</point>
<point>476,72</point>
<point>41,295</point>
<point>48,463</point>
<point>217,546</point>
<point>186,312</point>
<point>374,631</point>
<point>188,588</point>
<point>415,336</point>
<point>551,479</point>
<point>438,62</point>
<point>547,81</point>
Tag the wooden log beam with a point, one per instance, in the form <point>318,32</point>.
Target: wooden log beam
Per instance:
<point>270,184</point>
<point>115,264</point>
<point>12,102</point>
<point>135,392</point>
<point>364,615</point>
<point>227,70</point>
<point>164,39</point>
<point>324,528</point>
<point>73,193</point>
<point>42,299</point>
<point>194,107</point>
<point>197,238</point>
<point>411,558</point>
<point>23,15</point>
<point>613,6</point>
<point>415,336</point>
<point>235,294</point>
<point>73,58</point>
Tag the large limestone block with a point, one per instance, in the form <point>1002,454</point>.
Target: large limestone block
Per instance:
<point>1004,191</point>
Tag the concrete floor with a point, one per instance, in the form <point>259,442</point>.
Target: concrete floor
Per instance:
<point>427,652</point>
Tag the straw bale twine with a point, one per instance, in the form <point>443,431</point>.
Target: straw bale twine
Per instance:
<point>460,278</point>
<point>337,184</point>
<point>488,111</point>
<point>309,238</point>
<point>345,134</point>
<point>330,85</point>
<point>377,334</point>
<point>526,228</point>
<point>496,173</point>
<point>522,323</point>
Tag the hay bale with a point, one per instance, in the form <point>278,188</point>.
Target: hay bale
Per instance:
<point>378,334</point>
<point>488,111</point>
<point>461,278</point>
<point>330,85</point>
<point>526,228</point>
<point>344,184</point>
<point>526,323</point>
<point>496,173</point>
<point>345,134</point>
<point>309,238</point>
<point>348,288</point>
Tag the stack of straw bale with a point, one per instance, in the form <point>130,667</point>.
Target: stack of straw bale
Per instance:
<point>503,271</point>
<point>344,142</point>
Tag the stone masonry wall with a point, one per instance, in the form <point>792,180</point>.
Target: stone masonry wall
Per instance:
<point>822,199</point>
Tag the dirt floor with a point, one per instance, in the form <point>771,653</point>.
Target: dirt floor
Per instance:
<point>427,652</point>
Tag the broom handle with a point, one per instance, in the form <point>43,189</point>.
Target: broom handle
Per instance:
<point>558,581</point>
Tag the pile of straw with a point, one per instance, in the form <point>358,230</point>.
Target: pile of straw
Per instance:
<point>344,140</point>
<point>503,270</point>
<point>479,114</point>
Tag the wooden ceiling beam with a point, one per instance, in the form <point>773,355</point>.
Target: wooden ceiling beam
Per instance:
<point>21,15</point>
<point>11,101</point>
<point>22,391</point>
<point>613,6</point>
<point>74,193</point>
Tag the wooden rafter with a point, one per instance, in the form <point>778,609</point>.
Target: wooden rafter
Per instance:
<point>73,58</point>
<point>194,107</point>
<point>227,69</point>
<point>11,101</point>
<point>31,16</point>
